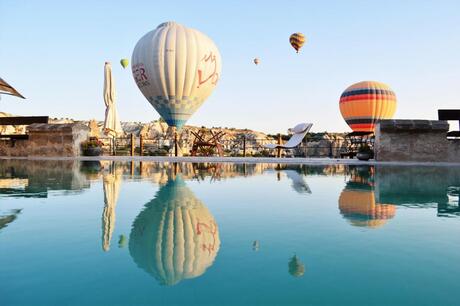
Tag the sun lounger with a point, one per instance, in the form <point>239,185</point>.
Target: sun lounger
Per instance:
<point>450,114</point>
<point>299,132</point>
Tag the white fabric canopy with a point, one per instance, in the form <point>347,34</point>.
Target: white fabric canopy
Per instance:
<point>6,88</point>
<point>112,126</point>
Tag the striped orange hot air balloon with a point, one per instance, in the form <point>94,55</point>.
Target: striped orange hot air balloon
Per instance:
<point>365,103</point>
<point>297,40</point>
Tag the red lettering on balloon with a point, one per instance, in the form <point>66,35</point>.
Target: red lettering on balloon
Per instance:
<point>214,76</point>
<point>140,75</point>
<point>210,228</point>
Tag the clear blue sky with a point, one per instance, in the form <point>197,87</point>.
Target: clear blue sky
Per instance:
<point>54,53</point>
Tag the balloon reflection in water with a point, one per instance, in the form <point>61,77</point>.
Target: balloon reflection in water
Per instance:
<point>175,237</point>
<point>296,267</point>
<point>357,203</point>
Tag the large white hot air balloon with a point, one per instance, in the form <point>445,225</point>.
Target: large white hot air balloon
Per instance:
<point>176,68</point>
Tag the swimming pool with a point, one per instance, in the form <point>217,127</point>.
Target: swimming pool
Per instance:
<point>110,233</point>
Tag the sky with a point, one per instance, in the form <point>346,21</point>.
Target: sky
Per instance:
<point>53,52</point>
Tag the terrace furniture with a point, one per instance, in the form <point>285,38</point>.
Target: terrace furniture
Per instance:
<point>207,144</point>
<point>299,132</point>
<point>450,114</point>
<point>355,141</point>
<point>20,121</point>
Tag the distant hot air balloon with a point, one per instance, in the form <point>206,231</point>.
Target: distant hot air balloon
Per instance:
<point>124,62</point>
<point>297,40</point>
<point>176,68</point>
<point>363,104</point>
<point>256,61</point>
<point>175,237</point>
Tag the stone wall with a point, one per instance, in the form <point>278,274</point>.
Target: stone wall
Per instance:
<point>47,140</point>
<point>415,140</point>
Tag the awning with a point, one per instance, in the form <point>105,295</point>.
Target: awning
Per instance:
<point>6,88</point>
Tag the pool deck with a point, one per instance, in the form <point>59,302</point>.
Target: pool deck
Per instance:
<point>240,160</point>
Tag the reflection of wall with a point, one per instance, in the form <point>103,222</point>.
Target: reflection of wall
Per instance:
<point>42,176</point>
<point>175,237</point>
<point>405,185</point>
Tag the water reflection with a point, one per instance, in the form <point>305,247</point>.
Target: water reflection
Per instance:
<point>296,267</point>
<point>35,179</point>
<point>9,217</point>
<point>111,184</point>
<point>357,200</point>
<point>175,237</point>
<point>420,187</point>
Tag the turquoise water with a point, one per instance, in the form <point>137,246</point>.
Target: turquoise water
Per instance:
<point>224,234</point>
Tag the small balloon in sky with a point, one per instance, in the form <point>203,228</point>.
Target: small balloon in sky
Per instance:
<point>124,62</point>
<point>256,61</point>
<point>297,40</point>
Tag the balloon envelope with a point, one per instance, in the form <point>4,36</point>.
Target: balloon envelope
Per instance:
<point>175,237</point>
<point>256,61</point>
<point>124,62</point>
<point>176,68</point>
<point>363,104</point>
<point>297,40</point>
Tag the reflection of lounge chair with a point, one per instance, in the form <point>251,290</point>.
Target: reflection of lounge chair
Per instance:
<point>298,183</point>
<point>299,132</point>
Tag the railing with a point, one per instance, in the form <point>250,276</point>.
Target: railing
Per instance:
<point>243,146</point>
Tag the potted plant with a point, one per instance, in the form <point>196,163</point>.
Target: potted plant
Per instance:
<point>365,152</point>
<point>92,147</point>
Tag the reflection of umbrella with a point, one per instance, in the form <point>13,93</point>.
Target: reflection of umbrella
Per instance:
<point>5,220</point>
<point>7,89</point>
<point>175,237</point>
<point>112,126</point>
<point>359,207</point>
<point>112,184</point>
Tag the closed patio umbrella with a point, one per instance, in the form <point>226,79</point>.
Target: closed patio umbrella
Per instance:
<point>111,184</point>
<point>112,126</point>
<point>7,89</point>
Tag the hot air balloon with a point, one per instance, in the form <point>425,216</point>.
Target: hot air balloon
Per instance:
<point>175,237</point>
<point>124,62</point>
<point>176,68</point>
<point>256,61</point>
<point>297,40</point>
<point>363,104</point>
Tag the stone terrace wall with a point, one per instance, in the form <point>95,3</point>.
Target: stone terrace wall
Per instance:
<point>415,140</point>
<point>48,140</point>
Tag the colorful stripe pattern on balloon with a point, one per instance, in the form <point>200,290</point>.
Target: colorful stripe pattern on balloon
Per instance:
<point>297,40</point>
<point>365,103</point>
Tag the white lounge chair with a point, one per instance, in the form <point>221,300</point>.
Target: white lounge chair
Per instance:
<point>299,132</point>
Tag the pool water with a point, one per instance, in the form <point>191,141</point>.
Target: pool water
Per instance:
<point>109,233</point>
